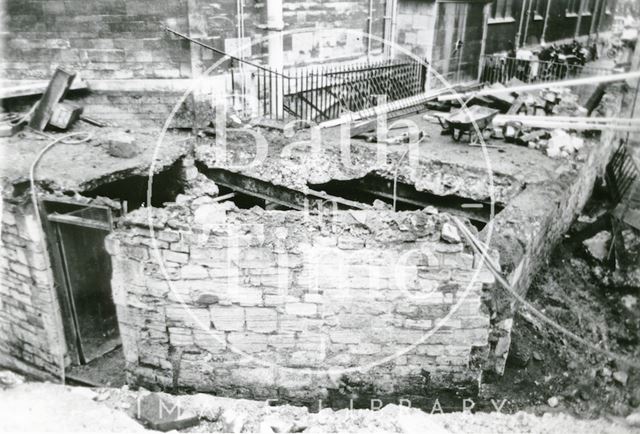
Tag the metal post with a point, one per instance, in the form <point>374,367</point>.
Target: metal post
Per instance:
<point>594,17</point>
<point>579,21</point>
<point>519,34</point>
<point>546,20</point>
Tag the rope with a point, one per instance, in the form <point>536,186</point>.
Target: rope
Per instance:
<point>34,202</point>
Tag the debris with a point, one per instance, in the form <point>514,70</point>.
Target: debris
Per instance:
<point>92,121</point>
<point>56,90</point>
<point>563,144</point>
<point>519,355</point>
<point>11,123</point>
<point>553,402</point>
<point>629,301</point>
<point>450,233</point>
<point>587,219</point>
<point>102,396</point>
<point>64,114</point>
<point>232,421</point>
<point>621,377</point>
<point>84,391</point>
<point>210,214</point>
<point>274,424</point>
<point>10,379</point>
<point>121,145</point>
<point>537,356</point>
<point>634,418</point>
<point>161,413</point>
<point>598,245</point>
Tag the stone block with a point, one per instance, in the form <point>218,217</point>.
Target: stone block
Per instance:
<point>227,318</point>
<point>210,340</point>
<point>179,336</point>
<point>248,342</point>
<point>261,320</point>
<point>177,257</point>
<point>121,145</point>
<point>345,337</point>
<point>301,309</point>
<point>350,243</point>
<point>190,271</point>
<point>163,412</point>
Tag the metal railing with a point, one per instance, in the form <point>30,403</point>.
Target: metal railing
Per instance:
<point>623,176</point>
<point>323,93</point>
<point>501,69</point>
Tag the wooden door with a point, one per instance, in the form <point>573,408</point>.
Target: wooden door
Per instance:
<point>84,272</point>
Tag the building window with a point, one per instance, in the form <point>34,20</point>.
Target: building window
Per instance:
<point>572,7</point>
<point>501,10</point>
<point>539,9</point>
<point>587,7</point>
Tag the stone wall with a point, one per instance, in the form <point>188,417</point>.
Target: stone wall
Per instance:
<point>531,225</point>
<point>415,23</point>
<point>117,39</point>
<point>31,339</point>
<point>263,304</point>
<point>103,39</point>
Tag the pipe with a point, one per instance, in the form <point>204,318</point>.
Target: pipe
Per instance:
<point>526,27</point>
<point>602,12</point>
<point>519,34</point>
<point>579,22</point>
<point>275,25</point>
<point>36,210</point>
<point>546,20</point>
<point>594,18</point>
<point>369,28</point>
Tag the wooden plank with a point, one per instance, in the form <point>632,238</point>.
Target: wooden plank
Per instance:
<point>58,87</point>
<point>79,221</point>
<point>19,88</point>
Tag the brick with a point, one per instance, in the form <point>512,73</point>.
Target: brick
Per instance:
<point>350,243</point>
<point>193,272</point>
<point>261,320</point>
<point>177,257</point>
<point>210,340</point>
<point>21,269</point>
<point>365,349</point>
<point>345,337</point>
<point>301,309</point>
<point>179,336</point>
<point>227,318</point>
<point>248,342</point>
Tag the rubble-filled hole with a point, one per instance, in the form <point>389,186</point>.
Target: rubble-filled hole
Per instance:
<point>372,187</point>
<point>166,186</point>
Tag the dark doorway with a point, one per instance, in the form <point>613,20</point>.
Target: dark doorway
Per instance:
<point>83,275</point>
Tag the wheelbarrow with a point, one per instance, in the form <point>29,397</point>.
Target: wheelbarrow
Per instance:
<point>460,123</point>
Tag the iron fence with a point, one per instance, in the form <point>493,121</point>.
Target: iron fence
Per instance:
<point>501,69</point>
<point>623,175</point>
<point>322,93</point>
